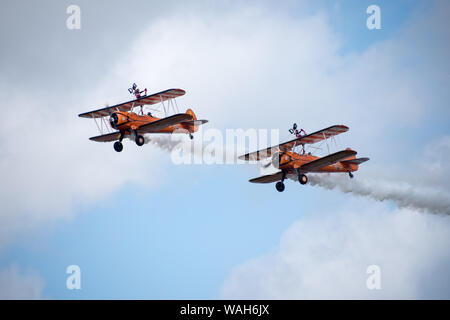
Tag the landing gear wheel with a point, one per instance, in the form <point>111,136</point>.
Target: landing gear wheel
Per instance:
<point>280,186</point>
<point>191,136</point>
<point>118,146</point>
<point>302,179</point>
<point>140,140</point>
<point>350,175</point>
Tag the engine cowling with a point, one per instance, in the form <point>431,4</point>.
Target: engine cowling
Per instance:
<point>114,120</point>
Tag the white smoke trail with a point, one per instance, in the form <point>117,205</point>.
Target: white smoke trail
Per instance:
<point>402,193</point>
<point>210,152</point>
<point>164,142</point>
<point>168,143</point>
<point>429,193</point>
<point>200,151</point>
<point>423,185</point>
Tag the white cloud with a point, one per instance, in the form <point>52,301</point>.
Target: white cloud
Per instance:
<point>49,166</point>
<point>326,255</point>
<point>15,284</point>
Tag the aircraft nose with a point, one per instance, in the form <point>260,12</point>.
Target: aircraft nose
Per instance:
<point>113,119</point>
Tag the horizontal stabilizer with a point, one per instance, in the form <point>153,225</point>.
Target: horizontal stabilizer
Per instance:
<point>195,122</point>
<point>107,137</point>
<point>268,178</point>
<point>327,160</point>
<point>355,161</point>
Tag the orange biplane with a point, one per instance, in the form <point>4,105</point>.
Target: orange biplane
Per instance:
<point>295,165</point>
<point>125,123</point>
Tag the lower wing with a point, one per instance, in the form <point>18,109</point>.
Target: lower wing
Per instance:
<point>327,160</point>
<point>107,137</point>
<point>268,178</point>
<point>155,126</point>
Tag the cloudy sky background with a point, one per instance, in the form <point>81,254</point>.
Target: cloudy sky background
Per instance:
<point>141,227</point>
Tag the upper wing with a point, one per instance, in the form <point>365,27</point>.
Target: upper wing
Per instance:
<point>307,139</point>
<point>127,106</point>
<point>107,137</point>
<point>260,154</point>
<point>314,137</point>
<point>268,178</point>
<point>154,127</point>
<point>327,160</point>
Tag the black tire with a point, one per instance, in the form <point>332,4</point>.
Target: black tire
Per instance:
<point>279,186</point>
<point>118,146</point>
<point>350,175</point>
<point>140,140</point>
<point>302,179</point>
<point>191,136</point>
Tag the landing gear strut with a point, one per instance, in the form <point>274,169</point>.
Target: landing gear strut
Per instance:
<point>280,185</point>
<point>118,146</point>
<point>302,179</point>
<point>138,138</point>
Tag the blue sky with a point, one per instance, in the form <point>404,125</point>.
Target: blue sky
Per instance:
<point>164,243</point>
<point>180,231</point>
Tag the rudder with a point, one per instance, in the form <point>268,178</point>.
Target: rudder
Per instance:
<point>189,111</point>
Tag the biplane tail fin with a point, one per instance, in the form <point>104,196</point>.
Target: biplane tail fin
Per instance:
<point>190,112</point>
<point>194,122</point>
<point>356,161</point>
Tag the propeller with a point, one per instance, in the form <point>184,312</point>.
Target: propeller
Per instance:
<point>274,161</point>
<point>268,164</point>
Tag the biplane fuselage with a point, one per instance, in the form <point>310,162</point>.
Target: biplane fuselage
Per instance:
<point>127,122</point>
<point>290,161</point>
